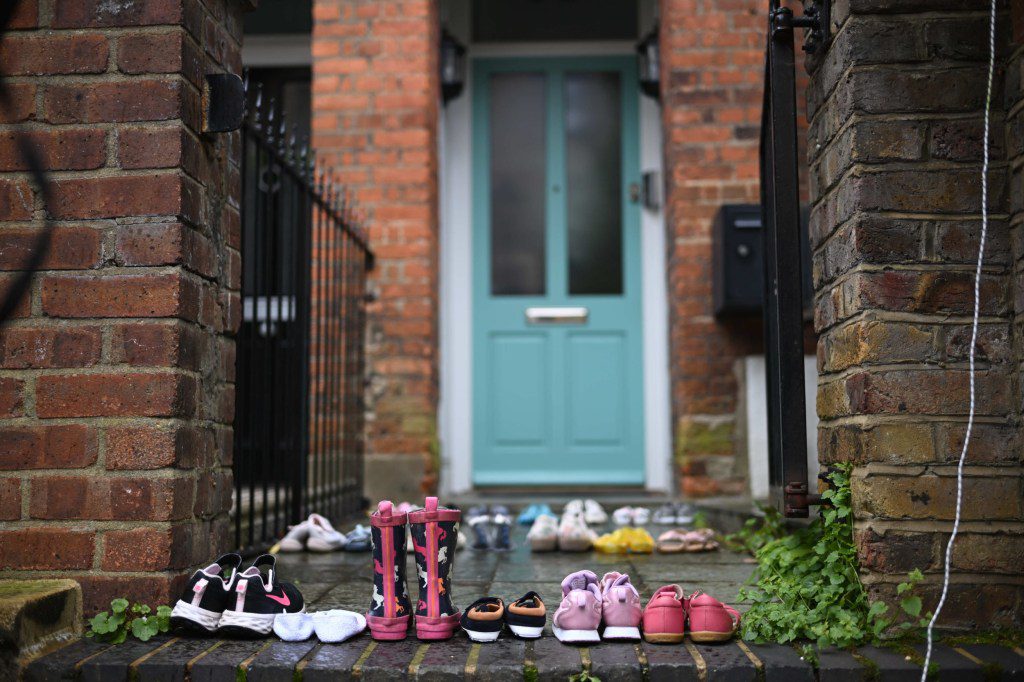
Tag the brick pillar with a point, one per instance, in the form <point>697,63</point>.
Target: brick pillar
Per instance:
<point>116,377</point>
<point>895,136</point>
<point>712,63</point>
<point>375,104</point>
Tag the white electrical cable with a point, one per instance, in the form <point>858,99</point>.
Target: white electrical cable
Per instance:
<point>974,335</point>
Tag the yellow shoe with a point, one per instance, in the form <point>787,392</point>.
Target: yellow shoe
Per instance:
<point>610,543</point>
<point>637,540</point>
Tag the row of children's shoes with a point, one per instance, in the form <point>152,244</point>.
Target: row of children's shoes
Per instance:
<point>609,609</point>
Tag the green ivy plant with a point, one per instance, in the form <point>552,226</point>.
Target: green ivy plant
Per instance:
<point>757,531</point>
<point>806,586</point>
<point>113,626</point>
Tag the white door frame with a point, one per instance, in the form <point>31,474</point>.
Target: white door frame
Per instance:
<point>455,412</point>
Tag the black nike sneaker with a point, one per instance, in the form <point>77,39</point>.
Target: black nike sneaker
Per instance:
<point>203,601</point>
<point>258,597</point>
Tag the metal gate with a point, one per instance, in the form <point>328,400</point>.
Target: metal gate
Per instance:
<point>783,287</point>
<point>299,420</point>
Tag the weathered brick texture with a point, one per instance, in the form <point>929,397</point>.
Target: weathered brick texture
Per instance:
<point>375,104</point>
<point>895,143</point>
<point>115,399</point>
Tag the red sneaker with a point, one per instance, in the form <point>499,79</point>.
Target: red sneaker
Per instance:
<point>664,617</point>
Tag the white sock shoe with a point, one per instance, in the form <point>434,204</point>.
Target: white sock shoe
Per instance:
<point>293,627</point>
<point>337,625</point>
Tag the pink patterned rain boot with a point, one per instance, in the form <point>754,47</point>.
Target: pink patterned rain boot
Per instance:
<point>435,533</point>
<point>388,616</point>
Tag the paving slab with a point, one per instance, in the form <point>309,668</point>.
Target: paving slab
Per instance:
<point>277,662</point>
<point>841,666</point>
<point>62,664</point>
<point>554,660</point>
<point>330,662</point>
<point>443,662</point>
<point>726,662</point>
<point>222,663</point>
<point>890,665</point>
<point>953,665</point>
<point>669,662</point>
<point>616,661</point>
<point>113,664</point>
<point>1005,661</point>
<point>782,663</point>
<point>168,664</point>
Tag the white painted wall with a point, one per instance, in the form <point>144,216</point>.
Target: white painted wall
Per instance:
<point>756,396</point>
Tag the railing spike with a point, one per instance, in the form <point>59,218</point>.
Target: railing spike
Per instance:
<point>271,118</point>
<point>257,114</point>
<point>293,149</point>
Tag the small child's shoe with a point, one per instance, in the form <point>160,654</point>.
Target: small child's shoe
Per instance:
<point>620,608</point>
<point>664,618</point>
<point>484,619</point>
<point>579,615</point>
<point>526,616</point>
<point>710,620</point>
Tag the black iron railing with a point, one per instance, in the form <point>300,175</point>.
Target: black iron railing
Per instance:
<point>783,285</point>
<point>299,436</point>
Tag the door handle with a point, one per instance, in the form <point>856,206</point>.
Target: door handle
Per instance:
<point>634,192</point>
<point>557,315</point>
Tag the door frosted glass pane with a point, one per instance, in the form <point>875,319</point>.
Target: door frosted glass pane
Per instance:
<point>593,145</point>
<point>518,183</point>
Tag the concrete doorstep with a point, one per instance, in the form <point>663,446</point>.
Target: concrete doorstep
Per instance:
<point>36,617</point>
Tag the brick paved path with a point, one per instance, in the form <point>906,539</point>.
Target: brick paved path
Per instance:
<point>343,581</point>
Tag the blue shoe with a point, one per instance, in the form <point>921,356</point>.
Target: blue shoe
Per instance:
<point>502,521</point>
<point>528,515</point>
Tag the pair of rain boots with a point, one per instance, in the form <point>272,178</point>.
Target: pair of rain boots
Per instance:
<point>435,532</point>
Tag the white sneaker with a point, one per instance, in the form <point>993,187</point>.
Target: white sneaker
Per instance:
<point>336,625</point>
<point>295,539</point>
<point>574,535</point>
<point>543,535</point>
<point>572,508</point>
<point>623,516</point>
<point>593,513</point>
<point>641,516</point>
<point>322,536</point>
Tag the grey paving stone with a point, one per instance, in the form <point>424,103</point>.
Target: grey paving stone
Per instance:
<point>352,595</point>
<point>334,661</point>
<point>1010,663</point>
<point>554,660</point>
<point>616,661</point>
<point>501,660</point>
<point>782,663</point>
<point>892,666</point>
<point>168,664</point>
<point>726,663</point>
<point>113,663</point>
<point>60,665</point>
<point>277,662</point>
<point>221,664</point>
<point>953,666</point>
<point>444,661</point>
<point>390,660</point>
<point>669,662</point>
<point>841,666</point>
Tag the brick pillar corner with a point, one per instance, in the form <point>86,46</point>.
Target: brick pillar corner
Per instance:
<point>117,372</point>
<point>896,136</point>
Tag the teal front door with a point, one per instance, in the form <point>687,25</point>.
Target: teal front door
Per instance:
<point>557,366</point>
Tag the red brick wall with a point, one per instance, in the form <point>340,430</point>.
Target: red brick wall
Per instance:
<point>712,73</point>
<point>116,376</point>
<point>375,104</point>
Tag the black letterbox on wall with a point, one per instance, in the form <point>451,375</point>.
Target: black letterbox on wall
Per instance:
<point>738,260</point>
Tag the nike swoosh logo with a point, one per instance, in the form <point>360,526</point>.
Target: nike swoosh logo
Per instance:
<point>283,600</point>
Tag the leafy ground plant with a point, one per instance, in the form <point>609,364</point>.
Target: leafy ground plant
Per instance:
<point>113,626</point>
<point>807,586</point>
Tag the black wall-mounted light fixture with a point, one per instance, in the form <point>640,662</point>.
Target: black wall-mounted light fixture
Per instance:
<point>453,66</point>
<point>649,64</point>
